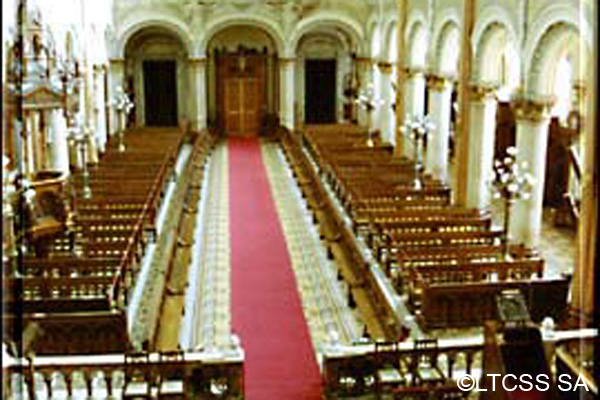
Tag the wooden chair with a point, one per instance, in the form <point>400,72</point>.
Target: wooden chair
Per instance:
<point>171,375</point>
<point>389,372</point>
<point>424,368</point>
<point>138,376</point>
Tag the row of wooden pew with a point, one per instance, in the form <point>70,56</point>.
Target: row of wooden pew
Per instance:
<point>77,290</point>
<point>448,259</point>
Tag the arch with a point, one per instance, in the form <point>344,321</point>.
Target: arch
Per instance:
<point>495,23</point>
<point>241,19</point>
<point>494,15</point>
<point>144,20</point>
<point>346,24</point>
<point>556,41</point>
<point>417,42</point>
<point>551,19</point>
<point>390,41</point>
<point>493,42</point>
<point>445,55</point>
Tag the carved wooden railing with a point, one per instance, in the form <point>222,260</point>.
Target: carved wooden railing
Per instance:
<point>144,229</point>
<point>192,375</point>
<point>570,198</point>
<point>350,371</point>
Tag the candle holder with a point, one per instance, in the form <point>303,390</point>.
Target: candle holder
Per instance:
<point>417,128</point>
<point>123,105</point>
<point>510,182</point>
<point>366,100</point>
<point>79,136</point>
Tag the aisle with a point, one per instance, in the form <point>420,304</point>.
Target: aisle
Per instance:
<point>266,309</point>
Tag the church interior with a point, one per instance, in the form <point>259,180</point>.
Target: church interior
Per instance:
<point>299,199</point>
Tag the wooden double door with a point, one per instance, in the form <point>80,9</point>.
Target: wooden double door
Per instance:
<point>242,106</point>
<point>241,81</point>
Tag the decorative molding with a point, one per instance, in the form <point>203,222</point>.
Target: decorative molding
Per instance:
<point>364,60</point>
<point>116,60</point>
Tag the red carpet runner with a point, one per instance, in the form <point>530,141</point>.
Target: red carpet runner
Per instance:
<point>266,309</point>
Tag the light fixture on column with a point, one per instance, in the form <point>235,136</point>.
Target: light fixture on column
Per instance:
<point>510,182</point>
<point>123,105</point>
<point>417,128</point>
<point>79,136</point>
<point>366,100</point>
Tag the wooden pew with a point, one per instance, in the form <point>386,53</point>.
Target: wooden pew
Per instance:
<point>470,304</point>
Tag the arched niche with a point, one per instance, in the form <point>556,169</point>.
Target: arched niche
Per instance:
<point>332,48</point>
<point>157,77</point>
<point>242,63</point>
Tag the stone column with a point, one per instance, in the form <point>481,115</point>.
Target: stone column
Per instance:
<point>99,107</point>
<point>29,164</point>
<point>480,156</point>
<point>364,66</point>
<point>584,283</point>
<point>385,75</point>
<point>440,97</point>
<point>116,78</point>
<point>532,120</point>
<point>286,109</point>
<point>60,145</point>
<point>463,135</point>
<point>200,99</point>
<point>414,94</point>
<point>401,76</point>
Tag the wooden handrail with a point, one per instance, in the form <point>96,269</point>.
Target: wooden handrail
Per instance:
<point>575,162</point>
<point>148,213</point>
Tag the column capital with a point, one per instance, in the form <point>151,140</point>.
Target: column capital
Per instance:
<point>535,109</point>
<point>438,83</point>
<point>116,61</point>
<point>197,60</point>
<point>413,72</point>
<point>287,60</point>
<point>385,67</point>
<point>364,60</point>
<point>482,91</point>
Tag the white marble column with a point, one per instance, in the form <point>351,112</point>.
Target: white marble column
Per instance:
<point>29,161</point>
<point>440,96</point>
<point>414,100</point>
<point>482,119</point>
<point>60,145</point>
<point>532,119</point>
<point>116,78</point>
<point>365,68</point>
<point>387,97</point>
<point>198,66</point>
<point>100,108</point>
<point>286,109</point>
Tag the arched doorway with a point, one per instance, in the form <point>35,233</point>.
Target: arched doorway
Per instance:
<point>156,77</point>
<point>242,65</point>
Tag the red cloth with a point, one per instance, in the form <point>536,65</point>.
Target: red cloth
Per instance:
<point>266,308</point>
